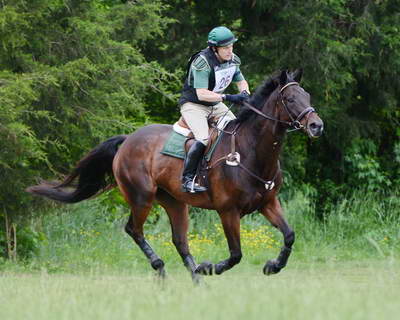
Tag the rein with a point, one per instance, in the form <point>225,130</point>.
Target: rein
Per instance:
<point>294,123</point>
<point>233,158</point>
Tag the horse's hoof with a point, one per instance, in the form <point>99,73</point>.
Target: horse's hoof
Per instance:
<point>271,267</point>
<point>219,268</point>
<point>157,264</point>
<point>205,268</point>
<point>196,277</point>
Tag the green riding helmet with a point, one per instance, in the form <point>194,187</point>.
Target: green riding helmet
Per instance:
<point>221,37</point>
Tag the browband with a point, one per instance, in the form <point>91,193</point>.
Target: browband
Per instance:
<point>288,85</point>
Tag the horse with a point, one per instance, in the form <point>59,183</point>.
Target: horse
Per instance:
<point>251,144</point>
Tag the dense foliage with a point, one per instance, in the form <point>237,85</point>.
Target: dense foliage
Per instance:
<point>350,52</point>
<point>71,75</point>
<point>74,72</point>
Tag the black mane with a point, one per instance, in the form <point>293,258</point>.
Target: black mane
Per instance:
<point>258,99</point>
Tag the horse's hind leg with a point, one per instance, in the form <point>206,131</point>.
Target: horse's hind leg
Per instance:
<point>274,213</point>
<point>178,214</point>
<point>134,228</point>
<point>141,203</point>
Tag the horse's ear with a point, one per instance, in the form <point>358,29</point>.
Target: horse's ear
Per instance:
<point>297,75</point>
<point>283,78</point>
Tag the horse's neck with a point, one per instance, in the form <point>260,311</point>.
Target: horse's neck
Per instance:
<point>271,131</point>
<point>267,137</point>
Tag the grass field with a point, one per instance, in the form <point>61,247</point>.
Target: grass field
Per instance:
<point>81,265</point>
<point>366,290</point>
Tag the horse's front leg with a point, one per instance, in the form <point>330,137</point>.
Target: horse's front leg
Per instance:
<point>231,224</point>
<point>274,213</point>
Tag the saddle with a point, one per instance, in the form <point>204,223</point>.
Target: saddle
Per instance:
<point>214,124</point>
<point>182,128</point>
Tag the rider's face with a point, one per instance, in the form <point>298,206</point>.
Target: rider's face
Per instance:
<point>225,52</point>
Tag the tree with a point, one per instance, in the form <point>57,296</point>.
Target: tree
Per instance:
<point>72,75</point>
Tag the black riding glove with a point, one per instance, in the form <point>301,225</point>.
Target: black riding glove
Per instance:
<point>246,93</point>
<point>236,98</point>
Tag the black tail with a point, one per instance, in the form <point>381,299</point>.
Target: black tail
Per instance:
<point>91,172</point>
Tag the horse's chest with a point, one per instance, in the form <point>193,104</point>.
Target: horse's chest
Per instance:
<point>250,203</point>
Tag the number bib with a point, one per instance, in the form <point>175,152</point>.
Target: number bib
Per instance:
<point>223,78</point>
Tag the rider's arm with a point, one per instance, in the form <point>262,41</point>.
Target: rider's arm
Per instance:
<point>239,79</point>
<point>207,95</point>
<point>243,85</point>
<point>201,74</point>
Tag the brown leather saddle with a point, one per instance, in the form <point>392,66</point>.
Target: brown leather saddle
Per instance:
<point>212,133</point>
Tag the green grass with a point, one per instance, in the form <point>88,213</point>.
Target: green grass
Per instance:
<point>316,291</point>
<point>90,235</point>
<point>82,265</point>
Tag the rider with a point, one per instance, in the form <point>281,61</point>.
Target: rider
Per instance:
<point>209,73</point>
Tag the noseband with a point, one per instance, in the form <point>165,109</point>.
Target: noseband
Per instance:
<point>294,123</point>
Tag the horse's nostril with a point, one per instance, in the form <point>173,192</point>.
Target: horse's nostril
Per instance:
<point>316,128</point>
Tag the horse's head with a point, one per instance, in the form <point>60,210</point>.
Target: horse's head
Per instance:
<point>294,105</point>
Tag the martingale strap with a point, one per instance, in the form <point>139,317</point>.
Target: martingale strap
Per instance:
<point>270,184</point>
<point>233,158</point>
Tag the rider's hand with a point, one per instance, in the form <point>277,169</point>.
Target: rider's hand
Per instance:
<point>245,92</point>
<point>236,98</point>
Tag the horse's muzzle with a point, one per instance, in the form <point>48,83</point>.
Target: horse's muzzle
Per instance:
<point>315,128</point>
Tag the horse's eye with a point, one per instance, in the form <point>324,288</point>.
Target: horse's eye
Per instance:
<point>290,100</point>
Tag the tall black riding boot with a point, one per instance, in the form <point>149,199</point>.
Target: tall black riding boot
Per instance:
<point>191,163</point>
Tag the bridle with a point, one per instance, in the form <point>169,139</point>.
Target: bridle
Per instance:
<point>233,158</point>
<point>294,122</point>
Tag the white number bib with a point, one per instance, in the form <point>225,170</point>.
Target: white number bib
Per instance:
<point>223,78</point>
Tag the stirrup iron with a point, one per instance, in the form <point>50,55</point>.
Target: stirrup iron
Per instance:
<point>192,185</point>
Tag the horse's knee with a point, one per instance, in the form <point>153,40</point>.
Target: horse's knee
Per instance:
<point>289,239</point>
